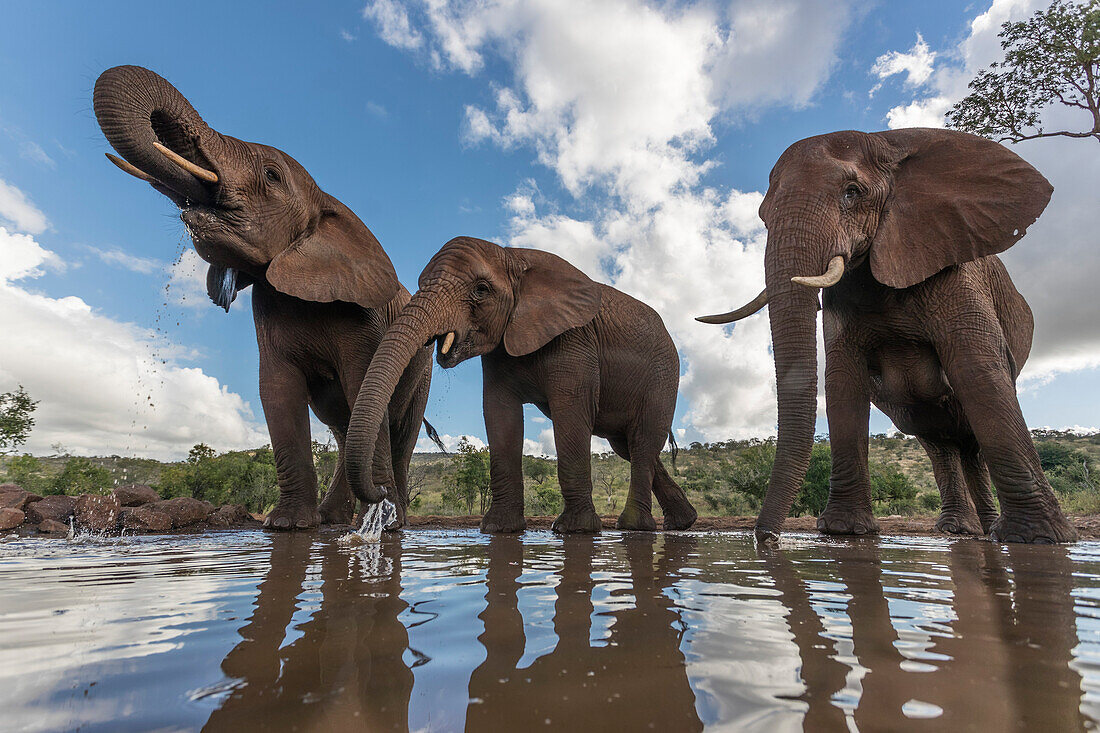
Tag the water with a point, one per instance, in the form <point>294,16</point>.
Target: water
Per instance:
<point>452,630</point>
<point>375,519</point>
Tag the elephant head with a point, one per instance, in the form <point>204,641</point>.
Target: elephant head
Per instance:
<point>907,204</point>
<point>475,297</point>
<point>253,212</point>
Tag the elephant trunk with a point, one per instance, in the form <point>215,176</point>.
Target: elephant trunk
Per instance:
<point>137,110</point>
<point>793,315</point>
<point>421,319</point>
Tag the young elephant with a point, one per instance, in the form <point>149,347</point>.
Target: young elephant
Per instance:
<point>919,316</point>
<point>324,291</point>
<point>593,359</point>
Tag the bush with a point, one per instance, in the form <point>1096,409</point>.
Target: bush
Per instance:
<point>30,473</point>
<point>81,476</point>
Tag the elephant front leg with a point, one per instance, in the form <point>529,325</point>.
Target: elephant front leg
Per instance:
<point>573,439</point>
<point>848,406</point>
<point>338,506</point>
<point>284,397</point>
<point>957,515</point>
<point>504,428</point>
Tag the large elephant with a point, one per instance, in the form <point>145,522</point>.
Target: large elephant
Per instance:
<point>919,316</point>
<point>324,290</point>
<point>593,359</point>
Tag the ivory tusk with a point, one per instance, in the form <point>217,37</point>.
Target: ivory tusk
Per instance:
<point>447,342</point>
<point>831,277</point>
<point>130,168</point>
<point>195,170</point>
<point>743,312</point>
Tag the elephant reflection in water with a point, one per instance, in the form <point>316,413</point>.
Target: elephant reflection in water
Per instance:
<point>636,680</point>
<point>1004,663</point>
<point>346,671</point>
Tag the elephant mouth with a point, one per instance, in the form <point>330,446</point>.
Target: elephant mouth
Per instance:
<point>449,349</point>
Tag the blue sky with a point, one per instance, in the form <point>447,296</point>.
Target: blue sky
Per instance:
<point>537,124</point>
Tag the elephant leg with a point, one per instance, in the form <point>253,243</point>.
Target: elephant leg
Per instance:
<point>848,406</point>
<point>573,419</point>
<point>637,513</point>
<point>957,515</point>
<point>338,506</point>
<point>679,513</point>
<point>975,359</point>
<point>403,437</point>
<point>504,428</point>
<point>977,482</point>
<point>285,400</point>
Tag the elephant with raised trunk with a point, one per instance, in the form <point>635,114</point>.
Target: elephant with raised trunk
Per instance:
<point>920,318</point>
<point>323,290</point>
<point>592,359</point>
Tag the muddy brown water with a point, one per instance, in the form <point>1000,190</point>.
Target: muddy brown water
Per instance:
<point>451,630</point>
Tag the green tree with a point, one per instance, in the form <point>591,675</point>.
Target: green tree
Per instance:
<point>1051,58</point>
<point>468,481</point>
<point>81,476</point>
<point>30,473</point>
<point>16,419</point>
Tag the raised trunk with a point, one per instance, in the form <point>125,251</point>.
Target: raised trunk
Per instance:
<point>792,310</point>
<point>420,319</point>
<point>136,107</point>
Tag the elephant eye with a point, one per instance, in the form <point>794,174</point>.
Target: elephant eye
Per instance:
<point>851,193</point>
<point>482,290</point>
<point>272,174</point>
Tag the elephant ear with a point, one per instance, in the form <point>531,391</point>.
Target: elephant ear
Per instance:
<point>223,284</point>
<point>339,260</point>
<point>552,297</point>
<point>956,197</point>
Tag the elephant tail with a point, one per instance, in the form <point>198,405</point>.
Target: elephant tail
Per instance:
<point>433,435</point>
<point>673,450</point>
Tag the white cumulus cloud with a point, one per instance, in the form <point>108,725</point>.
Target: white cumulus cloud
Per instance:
<point>17,210</point>
<point>915,64</point>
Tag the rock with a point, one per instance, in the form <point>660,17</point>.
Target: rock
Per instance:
<point>53,527</point>
<point>10,518</point>
<point>16,497</point>
<point>146,518</point>
<point>97,513</point>
<point>135,495</point>
<point>230,515</point>
<point>184,510</point>
<point>57,507</point>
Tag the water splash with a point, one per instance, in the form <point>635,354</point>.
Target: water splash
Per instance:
<point>376,518</point>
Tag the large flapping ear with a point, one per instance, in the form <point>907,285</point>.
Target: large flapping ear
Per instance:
<point>339,260</point>
<point>552,297</point>
<point>956,197</point>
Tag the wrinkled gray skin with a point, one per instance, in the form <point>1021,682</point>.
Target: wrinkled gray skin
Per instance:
<point>924,323</point>
<point>324,291</point>
<point>591,358</point>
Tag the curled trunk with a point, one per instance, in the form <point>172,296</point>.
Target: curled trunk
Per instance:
<point>792,309</point>
<point>136,108</point>
<point>419,320</point>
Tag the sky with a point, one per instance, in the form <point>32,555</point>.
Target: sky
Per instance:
<point>632,138</point>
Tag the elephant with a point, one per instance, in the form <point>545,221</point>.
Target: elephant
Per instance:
<point>919,317</point>
<point>593,359</point>
<point>323,289</point>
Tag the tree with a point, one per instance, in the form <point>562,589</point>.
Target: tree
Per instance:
<point>469,480</point>
<point>538,469</point>
<point>16,419</point>
<point>1053,57</point>
<point>82,476</point>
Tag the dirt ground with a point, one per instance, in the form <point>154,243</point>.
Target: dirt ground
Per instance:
<point>1088,527</point>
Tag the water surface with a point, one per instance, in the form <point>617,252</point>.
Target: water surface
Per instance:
<point>438,630</point>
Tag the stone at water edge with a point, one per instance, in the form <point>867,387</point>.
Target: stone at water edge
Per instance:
<point>230,515</point>
<point>53,527</point>
<point>145,518</point>
<point>184,510</point>
<point>10,518</point>
<point>15,497</point>
<point>97,513</point>
<point>57,507</point>
<point>135,495</point>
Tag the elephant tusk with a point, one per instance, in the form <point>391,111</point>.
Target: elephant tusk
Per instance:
<point>447,342</point>
<point>195,170</point>
<point>130,168</point>
<point>743,312</point>
<point>831,277</point>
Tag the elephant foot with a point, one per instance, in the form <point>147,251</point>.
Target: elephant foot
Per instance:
<point>335,513</point>
<point>987,521</point>
<point>956,522</point>
<point>847,521</point>
<point>680,517</point>
<point>1037,530</point>
<point>637,518</point>
<point>582,520</point>
<point>285,517</point>
<point>503,521</point>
